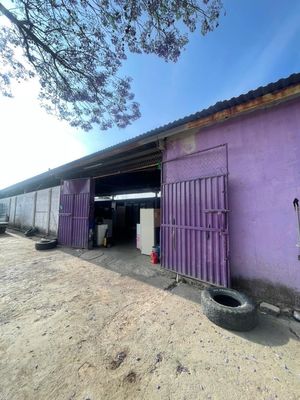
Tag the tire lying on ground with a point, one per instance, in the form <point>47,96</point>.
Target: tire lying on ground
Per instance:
<point>229,309</point>
<point>46,244</point>
<point>30,232</point>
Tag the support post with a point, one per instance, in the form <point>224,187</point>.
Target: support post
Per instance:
<point>34,209</point>
<point>9,208</point>
<point>49,210</point>
<point>15,211</point>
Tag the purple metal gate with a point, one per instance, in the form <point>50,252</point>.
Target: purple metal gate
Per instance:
<point>76,212</point>
<point>194,229</point>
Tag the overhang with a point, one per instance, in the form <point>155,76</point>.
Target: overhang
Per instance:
<point>143,153</point>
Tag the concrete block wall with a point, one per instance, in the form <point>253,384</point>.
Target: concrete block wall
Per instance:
<point>24,215</point>
<point>42,207</point>
<point>12,207</point>
<point>38,209</point>
<point>4,206</point>
<point>54,210</point>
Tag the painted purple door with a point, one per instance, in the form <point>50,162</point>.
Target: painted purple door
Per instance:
<point>194,230</point>
<point>75,212</point>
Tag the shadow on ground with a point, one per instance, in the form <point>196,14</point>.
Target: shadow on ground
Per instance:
<point>126,260</point>
<point>272,331</point>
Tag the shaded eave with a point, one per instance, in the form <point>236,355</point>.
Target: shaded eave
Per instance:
<point>143,151</point>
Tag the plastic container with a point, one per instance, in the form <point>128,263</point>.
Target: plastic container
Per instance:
<point>154,256</point>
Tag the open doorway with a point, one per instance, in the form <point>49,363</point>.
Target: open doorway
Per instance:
<point>122,215</point>
<point>127,210</point>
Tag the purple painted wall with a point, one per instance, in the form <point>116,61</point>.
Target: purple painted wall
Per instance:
<point>264,178</point>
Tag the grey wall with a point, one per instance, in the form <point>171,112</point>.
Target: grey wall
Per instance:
<point>38,209</point>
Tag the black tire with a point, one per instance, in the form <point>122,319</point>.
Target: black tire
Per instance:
<point>46,244</point>
<point>229,309</point>
<point>2,229</point>
<point>30,232</point>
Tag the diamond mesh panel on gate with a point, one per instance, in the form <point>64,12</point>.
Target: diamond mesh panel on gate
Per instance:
<point>210,162</point>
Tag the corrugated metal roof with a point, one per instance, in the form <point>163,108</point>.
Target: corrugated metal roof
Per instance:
<point>219,106</point>
<point>139,141</point>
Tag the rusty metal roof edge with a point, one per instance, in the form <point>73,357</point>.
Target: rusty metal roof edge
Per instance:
<point>155,134</point>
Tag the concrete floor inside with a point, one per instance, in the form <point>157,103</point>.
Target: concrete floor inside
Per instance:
<point>125,259</point>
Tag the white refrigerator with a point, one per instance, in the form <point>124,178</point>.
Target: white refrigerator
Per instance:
<point>149,220</point>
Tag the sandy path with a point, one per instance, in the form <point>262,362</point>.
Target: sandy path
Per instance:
<point>73,330</point>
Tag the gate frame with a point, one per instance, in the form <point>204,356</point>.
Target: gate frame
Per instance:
<point>86,242</point>
<point>226,211</point>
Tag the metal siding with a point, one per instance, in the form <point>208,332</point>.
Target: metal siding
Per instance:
<point>65,219</point>
<point>81,220</point>
<point>76,212</point>
<point>194,218</point>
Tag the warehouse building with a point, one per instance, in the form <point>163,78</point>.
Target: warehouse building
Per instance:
<point>224,180</point>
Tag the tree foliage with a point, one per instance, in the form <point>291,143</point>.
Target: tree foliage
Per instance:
<point>76,49</point>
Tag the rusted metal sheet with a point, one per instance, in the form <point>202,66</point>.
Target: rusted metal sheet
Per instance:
<point>76,212</point>
<point>194,229</point>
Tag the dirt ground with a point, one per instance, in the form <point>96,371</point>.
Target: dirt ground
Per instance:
<point>72,330</point>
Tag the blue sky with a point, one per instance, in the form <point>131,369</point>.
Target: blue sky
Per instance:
<point>257,42</point>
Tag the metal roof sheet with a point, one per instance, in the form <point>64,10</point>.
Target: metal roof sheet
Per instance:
<point>125,146</point>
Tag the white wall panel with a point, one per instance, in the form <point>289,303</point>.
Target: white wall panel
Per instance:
<point>34,209</point>
<point>18,221</point>
<point>12,210</point>
<point>28,209</point>
<point>54,209</point>
<point>42,210</point>
<point>4,206</point>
